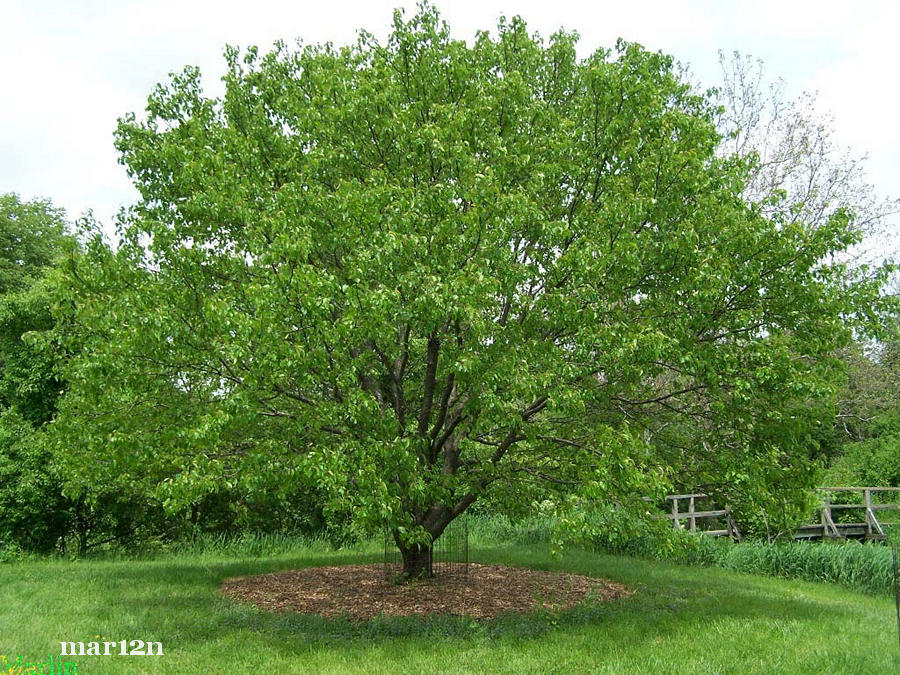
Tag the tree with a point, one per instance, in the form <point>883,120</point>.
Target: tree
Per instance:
<point>33,237</point>
<point>35,515</point>
<point>415,272</point>
<point>798,161</point>
<point>869,399</point>
<point>796,158</point>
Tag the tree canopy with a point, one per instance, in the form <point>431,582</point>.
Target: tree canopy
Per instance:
<point>421,271</point>
<point>33,238</point>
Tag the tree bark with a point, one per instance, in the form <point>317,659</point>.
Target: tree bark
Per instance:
<point>417,563</point>
<point>418,559</point>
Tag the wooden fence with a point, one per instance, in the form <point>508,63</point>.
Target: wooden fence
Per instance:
<point>691,516</point>
<point>868,527</point>
<point>684,515</point>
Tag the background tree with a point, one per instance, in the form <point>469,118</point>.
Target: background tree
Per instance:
<point>799,173</point>
<point>863,448</point>
<point>415,272</point>
<point>33,237</point>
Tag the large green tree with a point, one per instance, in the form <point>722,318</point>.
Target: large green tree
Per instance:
<point>418,271</point>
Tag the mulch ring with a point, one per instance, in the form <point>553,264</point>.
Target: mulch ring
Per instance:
<point>361,592</point>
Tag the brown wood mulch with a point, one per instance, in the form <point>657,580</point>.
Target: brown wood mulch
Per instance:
<point>362,592</point>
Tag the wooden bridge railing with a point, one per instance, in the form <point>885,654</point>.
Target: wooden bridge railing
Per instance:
<point>691,515</point>
<point>869,528</point>
<point>684,513</point>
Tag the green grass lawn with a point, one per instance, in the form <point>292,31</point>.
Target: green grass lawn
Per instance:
<point>680,620</point>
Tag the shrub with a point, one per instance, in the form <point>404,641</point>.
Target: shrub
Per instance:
<point>874,462</point>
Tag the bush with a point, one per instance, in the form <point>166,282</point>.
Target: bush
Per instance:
<point>873,462</point>
<point>33,513</point>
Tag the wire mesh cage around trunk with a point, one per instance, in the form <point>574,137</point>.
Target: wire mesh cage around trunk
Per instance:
<point>449,555</point>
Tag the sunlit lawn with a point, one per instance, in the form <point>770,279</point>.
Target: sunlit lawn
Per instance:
<point>680,620</point>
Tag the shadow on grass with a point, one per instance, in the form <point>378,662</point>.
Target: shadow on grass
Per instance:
<point>214,571</point>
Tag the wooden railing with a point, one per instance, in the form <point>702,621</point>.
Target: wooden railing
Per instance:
<point>869,528</point>
<point>691,515</point>
<point>684,515</point>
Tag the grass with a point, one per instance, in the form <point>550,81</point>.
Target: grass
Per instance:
<point>856,565</point>
<point>681,619</point>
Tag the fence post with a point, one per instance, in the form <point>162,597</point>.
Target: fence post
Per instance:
<point>675,520</point>
<point>870,514</point>
<point>693,517</point>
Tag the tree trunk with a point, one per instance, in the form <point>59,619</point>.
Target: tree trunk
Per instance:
<point>416,563</point>
<point>418,559</point>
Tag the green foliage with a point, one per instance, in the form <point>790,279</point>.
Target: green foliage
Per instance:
<point>873,462</point>
<point>32,235</point>
<point>866,567</point>
<point>33,512</point>
<point>30,380</point>
<point>864,448</point>
<point>780,503</point>
<point>35,312</point>
<point>869,400</point>
<point>416,272</point>
<point>488,530</point>
<point>34,515</point>
<point>36,338</point>
<point>893,537</point>
<point>246,544</point>
<point>33,238</point>
<point>609,528</point>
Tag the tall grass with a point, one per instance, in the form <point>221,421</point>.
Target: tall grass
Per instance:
<point>865,567</point>
<point>860,566</point>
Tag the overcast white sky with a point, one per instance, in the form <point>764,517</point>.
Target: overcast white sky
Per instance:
<point>73,67</point>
